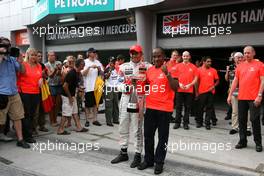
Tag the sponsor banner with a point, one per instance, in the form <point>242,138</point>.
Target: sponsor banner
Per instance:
<point>113,30</point>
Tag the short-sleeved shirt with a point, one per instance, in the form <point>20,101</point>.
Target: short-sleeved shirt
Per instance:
<point>112,81</point>
<point>207,78</point>
<point>160,96</point>
<point>8,68</point>
<point>171,65</point>
<point>185,74</point>
<point>29,81</point>
<point>248,75</point>
<point>56,80</point>
<point>89,79</point>
<point>72,78</point>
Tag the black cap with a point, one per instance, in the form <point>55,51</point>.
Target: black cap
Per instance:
<point>92,50</point>
<point>112,59</point>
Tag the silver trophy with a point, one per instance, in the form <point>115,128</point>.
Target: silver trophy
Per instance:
<point>133,106</point>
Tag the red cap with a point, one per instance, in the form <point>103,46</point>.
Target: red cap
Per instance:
<point>136,48</point>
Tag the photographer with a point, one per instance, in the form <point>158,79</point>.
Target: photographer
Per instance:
<point>229,77</point>
<point>111,94</point>
<point>10,101</point>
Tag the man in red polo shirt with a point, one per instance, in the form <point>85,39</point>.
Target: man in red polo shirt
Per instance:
<point>159,104</point>
<point>171,65</point>
<point>250,80</point>
<point>207,79</point>
<point>186,73</point>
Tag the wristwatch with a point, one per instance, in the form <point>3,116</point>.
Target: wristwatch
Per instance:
<point>260,95</point>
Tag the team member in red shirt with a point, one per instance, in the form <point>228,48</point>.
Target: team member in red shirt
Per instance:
<point>159,104</point>
<point>171,65</point>
<point>174,60</point>
<point>186,73</point>
<point>249,78</point>
<point>208,80</point>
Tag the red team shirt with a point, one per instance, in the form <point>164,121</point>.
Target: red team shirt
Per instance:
<point>248,75</point>
<point>185,74</point>
<point>29,81</point>
<point>207,79</point>
<point>160,95</point>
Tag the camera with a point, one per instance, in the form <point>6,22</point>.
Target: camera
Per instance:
<point>232,67</point>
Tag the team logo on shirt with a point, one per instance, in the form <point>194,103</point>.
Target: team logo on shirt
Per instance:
<point>161,76</point>
<point>128,71</point>
<point>209,74</point>
<point>252,69</point>
<point>190,70</point>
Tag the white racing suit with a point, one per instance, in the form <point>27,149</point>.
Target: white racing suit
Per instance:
<point>126,119</point>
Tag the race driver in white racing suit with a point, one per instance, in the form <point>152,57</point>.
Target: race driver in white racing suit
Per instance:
<point>136,68</point>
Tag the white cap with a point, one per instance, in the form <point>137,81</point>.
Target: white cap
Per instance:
<point>238,54</point>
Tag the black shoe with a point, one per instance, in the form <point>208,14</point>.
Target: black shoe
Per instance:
<point>227,117</point>
<point>198,125</point>
<point>120,158</point>
<point>233,131</point>
<point>186,127</point>
<point>87,124</point>
<point>240,146</point>
<point>172,119</point>
<point>176,126</point>
<point>158,169</point>
<point>96,123</point>
<point>144,165</point>
<point>207,127</point>
<point>30,140</point>
<point>116,122</point>
<point>259,148</point>
<point>136,161</point>
<point>110,124</point>
<point>43,129</point>
<point>214,123</point>
<point>23,144</point>
<point>249,133</point>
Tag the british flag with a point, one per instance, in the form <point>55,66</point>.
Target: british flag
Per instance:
<point>176,23</point>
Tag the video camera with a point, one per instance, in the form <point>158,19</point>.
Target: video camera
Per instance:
<point>12,51</point>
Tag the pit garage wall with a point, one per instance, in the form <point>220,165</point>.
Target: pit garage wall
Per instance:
<point>230,26</point>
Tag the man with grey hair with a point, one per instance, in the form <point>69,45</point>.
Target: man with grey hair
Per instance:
<point>229,76</point>
<point>249,78</point>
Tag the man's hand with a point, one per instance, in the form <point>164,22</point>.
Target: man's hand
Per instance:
<point>212,88</point>
<point>228,100</point>
<point>257,101</point>
<point>20,60</point>
<point>187,86</point>
<point>164,69</point>
<point>181,86</point>
<point>227,69</point>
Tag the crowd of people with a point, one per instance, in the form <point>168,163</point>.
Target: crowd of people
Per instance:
<point>134,92</point>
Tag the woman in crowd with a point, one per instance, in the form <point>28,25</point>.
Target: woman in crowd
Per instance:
<point>29,85</point>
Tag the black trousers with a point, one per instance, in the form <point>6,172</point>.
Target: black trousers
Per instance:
<point>155,119</point>
<point>30,102</point>
<point>206,100</point>
<point>229,112</point>
<point>243,107</point>
<point>183,99</point>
